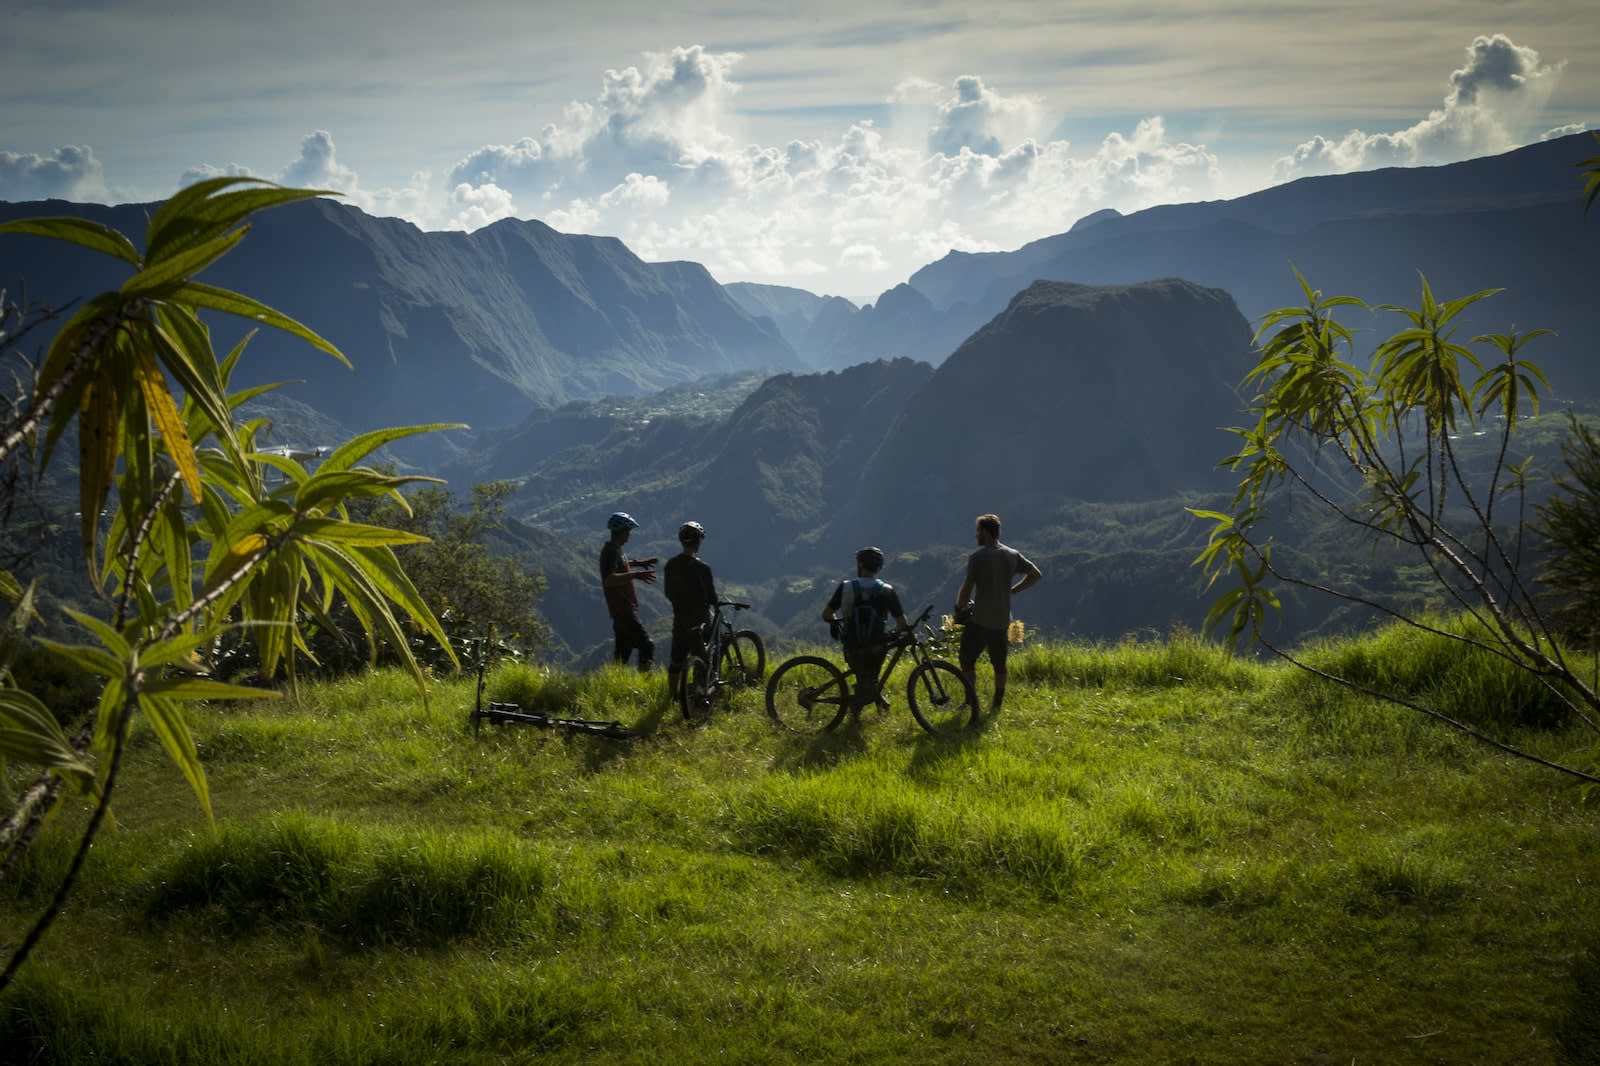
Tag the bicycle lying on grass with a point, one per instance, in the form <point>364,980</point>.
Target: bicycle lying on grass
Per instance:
<point>734,657</point>
<point>809,694</point>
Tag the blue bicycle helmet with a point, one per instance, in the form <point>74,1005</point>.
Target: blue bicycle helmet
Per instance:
<point>621,520</point>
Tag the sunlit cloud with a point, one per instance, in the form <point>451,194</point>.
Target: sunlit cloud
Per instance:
<point>1501,89</point>
<point>651,159</point>
<point>657,156</point>
<point>68,173</point>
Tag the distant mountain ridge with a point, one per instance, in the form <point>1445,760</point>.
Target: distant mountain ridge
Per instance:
<point>473,327</point>
<point>1513,221</point>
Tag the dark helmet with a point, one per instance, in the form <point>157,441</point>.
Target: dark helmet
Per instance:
<point>621,520</point>
<point>691,533</point>
<point>870,559</point>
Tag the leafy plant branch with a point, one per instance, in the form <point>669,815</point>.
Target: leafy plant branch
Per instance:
<point>183,564</point>
<point>1376,449</point>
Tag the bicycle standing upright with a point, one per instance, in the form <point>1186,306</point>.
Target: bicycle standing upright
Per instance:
<point>734,657</point>
<point>810,694</point>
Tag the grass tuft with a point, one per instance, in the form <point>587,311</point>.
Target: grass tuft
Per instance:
<point>361,887</point>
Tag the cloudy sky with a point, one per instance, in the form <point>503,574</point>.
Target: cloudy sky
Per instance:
<point>834,146</point>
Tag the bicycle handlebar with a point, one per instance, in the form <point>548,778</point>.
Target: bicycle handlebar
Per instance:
<point>735,604</point>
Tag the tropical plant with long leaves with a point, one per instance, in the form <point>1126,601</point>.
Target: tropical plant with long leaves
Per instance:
<point>1378,449</point>
<point>199,538</point>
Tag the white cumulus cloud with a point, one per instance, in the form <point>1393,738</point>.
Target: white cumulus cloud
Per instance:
<point>1502,87</point>
<point>68,173</point>
<point>653,159</point>
<point>656,156</point>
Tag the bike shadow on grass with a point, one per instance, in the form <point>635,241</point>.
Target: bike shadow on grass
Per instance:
<point>821,750</point>
<point>929,753</point>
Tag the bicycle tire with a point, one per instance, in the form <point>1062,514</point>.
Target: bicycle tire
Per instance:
<point>941,698</point>
<point>744,660</point>
<point>807,694</point>
<point>696,690</point>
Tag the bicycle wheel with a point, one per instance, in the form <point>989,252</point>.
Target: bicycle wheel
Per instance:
<point>696,688</point>
<point>744,660</point>
<point>807,694</point>
<point>941,699</point>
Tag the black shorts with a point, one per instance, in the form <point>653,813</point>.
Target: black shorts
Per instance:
<point>976,639</point>
<point>688,639</point>
<point>631,636</point>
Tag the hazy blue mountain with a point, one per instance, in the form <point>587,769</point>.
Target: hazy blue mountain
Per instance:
<point>1513,221</point>
<point>1073,393</point>
<point>449,327</point>
<point>764,477</point>
<point>812,324</point>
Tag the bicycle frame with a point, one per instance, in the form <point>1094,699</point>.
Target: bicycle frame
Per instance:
<point>907,643</point>
<point>808,693</point>
<point>704,678</point>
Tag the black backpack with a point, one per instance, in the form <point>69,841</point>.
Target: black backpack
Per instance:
<point>864,622</point>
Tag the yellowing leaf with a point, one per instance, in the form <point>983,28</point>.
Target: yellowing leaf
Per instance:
<point>165,415</point>
<point>240,553</point>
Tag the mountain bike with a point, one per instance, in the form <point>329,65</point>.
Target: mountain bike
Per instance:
<point>734,658</point>
<point>809,694</point>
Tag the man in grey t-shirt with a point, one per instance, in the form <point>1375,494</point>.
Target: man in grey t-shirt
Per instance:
<point>985,602</point>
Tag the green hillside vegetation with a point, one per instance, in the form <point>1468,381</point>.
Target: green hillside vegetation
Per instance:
<point>1156,853</point>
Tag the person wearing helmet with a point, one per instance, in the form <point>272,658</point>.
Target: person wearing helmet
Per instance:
<point>856,614</point>
<point>984,602</point>
<point>617,575</point>
<point>692,592</point>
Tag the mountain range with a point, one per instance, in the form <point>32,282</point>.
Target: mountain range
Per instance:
<point>1077,385</point>
<point>1514,221</point>
<point>476,327</point>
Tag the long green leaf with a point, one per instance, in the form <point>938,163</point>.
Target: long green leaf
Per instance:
<point>79,231</point>
<point>166,721</point>
<point>351,452</point>
<point>354,534</point>
<point>234,304</point>
<point>95,660</point>
<point>179,687</point>
<point>203,210</point>
<point>62,354</point>
<point>384,571</point>
<point>29,733</point>
<point>176,216</point>
<point>327,487</point>
<point>113,641</point>
<point>98,421</point>
<point>367,600</point>
<point>154,280</point>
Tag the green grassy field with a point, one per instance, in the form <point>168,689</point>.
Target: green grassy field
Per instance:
<point>1154,854</point>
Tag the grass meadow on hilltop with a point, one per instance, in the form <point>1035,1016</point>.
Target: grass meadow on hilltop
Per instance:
<point>1155,853</point>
